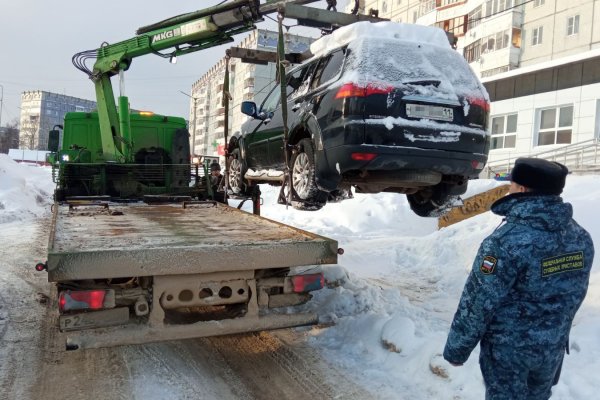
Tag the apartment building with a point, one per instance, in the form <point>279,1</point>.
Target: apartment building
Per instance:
<point>538,59</point>
<point>41,110</point>
<point>246,82</point>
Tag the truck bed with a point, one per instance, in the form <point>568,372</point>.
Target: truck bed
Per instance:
<point>113,240</point>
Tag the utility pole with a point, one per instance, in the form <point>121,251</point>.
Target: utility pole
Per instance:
<point>194,100</point>
<point>1,100</point>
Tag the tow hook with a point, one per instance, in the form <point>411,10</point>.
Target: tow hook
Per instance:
<point>39,267</point>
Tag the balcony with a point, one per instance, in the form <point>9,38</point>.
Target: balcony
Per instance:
<point>509,19</point>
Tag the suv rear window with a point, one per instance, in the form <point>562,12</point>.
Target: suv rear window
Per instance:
<point>394,62</point>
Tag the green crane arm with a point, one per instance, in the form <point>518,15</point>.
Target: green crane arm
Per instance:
<point>183,34</point>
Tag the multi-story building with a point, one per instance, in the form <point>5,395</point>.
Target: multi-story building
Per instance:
<point>246,82</point>
<point>41,110</point>
<point>539,60</point>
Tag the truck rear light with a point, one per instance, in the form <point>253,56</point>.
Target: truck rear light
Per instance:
<point>307,283</point>
<point>69,300</point>
<point>354,90</point>
<point>363,156</point>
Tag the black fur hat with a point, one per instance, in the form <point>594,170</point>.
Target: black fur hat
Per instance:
<point>215,167</point>
<point>541,176</point>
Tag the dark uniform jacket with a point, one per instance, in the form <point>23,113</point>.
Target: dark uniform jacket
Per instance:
<point>529,278</point>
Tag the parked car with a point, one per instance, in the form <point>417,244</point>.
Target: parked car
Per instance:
<point>383,107</point>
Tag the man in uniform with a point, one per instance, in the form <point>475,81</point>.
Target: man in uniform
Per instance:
<point>216,180</point>
<point>528,280</point>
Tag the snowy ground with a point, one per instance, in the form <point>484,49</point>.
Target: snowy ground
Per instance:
<point>402,279</point>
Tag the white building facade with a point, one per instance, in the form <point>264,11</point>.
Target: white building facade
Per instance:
<point>246,82</point>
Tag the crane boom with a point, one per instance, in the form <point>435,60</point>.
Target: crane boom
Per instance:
<point>183,34</point>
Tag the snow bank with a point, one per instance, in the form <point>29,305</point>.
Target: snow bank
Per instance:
<point>25,190</point>
<point>401,287</point>
<point>380,30</point>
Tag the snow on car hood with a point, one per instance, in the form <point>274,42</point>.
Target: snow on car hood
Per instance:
<point>380,30</point>
<point>398,55</point>
<point>402,64</point>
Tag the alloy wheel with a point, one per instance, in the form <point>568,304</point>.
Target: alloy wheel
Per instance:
<point>301,176</point>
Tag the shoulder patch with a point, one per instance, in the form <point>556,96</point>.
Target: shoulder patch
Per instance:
<point>563,263</point>
<point>488,266</point>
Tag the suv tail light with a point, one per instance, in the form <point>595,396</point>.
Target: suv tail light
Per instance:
<point>481,103</point>
<point>86,299</point>
<point>354,90</point>
<point>307,283</point>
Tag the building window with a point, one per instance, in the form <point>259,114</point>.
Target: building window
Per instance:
<point>384,7</point>
<point>536,37</point>
<point>497,6</point>
<point>475,17</point>
<point>555,126</point>
<point>504,131</point>
<point>573,25</point>
<point>516,37</point>
<point>456,25</point>
<point>473,51</point>
<point>501,40</point>
<point>415,16</point>
<point>537,3</point>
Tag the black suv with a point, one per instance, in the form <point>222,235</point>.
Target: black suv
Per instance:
<point>379,114</point>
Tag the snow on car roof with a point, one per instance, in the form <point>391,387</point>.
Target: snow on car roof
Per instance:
<point>385,30</point>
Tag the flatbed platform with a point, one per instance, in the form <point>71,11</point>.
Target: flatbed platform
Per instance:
<point>113,240</point>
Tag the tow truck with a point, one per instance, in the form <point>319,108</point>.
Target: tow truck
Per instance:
<point>137,250</point>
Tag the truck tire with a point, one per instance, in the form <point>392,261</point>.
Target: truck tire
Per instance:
<point>306,195</point>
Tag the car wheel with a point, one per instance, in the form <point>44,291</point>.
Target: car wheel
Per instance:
<point>236,173</point>
<point>303,179</point>
<point>433,201</point>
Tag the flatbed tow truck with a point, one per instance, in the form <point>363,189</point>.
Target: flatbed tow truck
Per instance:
<point>137,252</point>
<point>175,271</point>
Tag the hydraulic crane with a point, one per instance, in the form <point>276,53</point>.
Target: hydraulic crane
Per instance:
<point>183,34</point>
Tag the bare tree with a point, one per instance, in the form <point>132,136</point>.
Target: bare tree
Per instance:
<point>9,139</point>
<point>28,136</point>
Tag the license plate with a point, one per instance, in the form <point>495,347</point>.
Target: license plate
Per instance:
<point>427,111</point>
<point>94,319</point>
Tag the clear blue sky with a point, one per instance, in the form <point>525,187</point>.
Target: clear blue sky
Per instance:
<point>39,37</point>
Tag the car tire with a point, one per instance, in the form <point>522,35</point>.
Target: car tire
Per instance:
<point>433,201</point>
<point>304,187</point>
<point>237,170</point>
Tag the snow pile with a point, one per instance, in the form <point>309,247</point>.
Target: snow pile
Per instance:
<point>401,281</point>
<point>380,30</point>
<point>25,190</point>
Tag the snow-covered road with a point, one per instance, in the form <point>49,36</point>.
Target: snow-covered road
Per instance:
<point>35,364</point>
